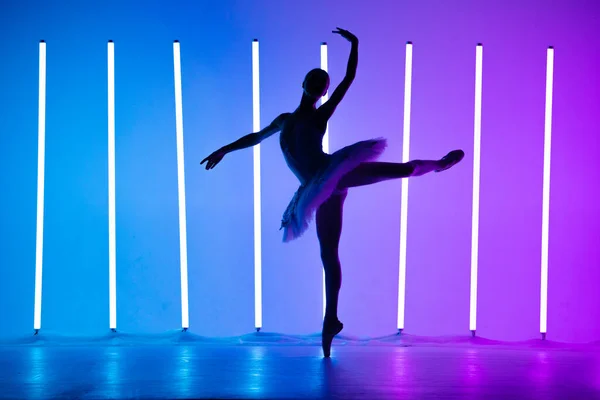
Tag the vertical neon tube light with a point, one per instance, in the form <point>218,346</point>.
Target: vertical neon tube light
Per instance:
<point>404,198</point>
<point>39,233</point>
<point>546,192</point>
<point>324,67</point>
<point>324,99</point>
<point>257,200</point>
<point>185,321</point>
<point>112,243</point>
<point>476,168</point>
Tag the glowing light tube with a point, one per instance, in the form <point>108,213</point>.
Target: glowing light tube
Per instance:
<point>404,198</point>
<point>324,67</point>
<point>112,243</point>
<point>476,168</point>
<point>39,232</point>
<point>546,192</point>
<point>257,200</point>
<point>185,322</point>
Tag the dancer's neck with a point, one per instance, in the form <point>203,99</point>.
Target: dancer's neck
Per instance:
<point>307,103</point>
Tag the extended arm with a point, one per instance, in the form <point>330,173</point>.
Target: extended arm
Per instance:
<point>330,105</point>
<point>249,140</point>
<point>255,138</point>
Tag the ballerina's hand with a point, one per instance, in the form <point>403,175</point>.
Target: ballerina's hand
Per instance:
<point>214,159</point>
<point>346,35</point>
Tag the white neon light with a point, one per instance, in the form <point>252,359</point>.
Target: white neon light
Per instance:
<point>257,201</point>
<point>39,233</point>
<point>185,321</point>
<point>112,243</point>
<point>404,198</point>
<point>324,67</point>
<point>476,167</point>
<point>546,190</point>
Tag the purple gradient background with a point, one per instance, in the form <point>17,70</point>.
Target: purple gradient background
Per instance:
<point>216,62</point>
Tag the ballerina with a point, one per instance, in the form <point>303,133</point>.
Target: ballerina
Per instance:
<point>325,178</point>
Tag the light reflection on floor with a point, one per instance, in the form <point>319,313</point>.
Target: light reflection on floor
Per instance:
<point>282,367</point>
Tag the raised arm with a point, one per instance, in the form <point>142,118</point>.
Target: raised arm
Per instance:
<point>330,105</point>
<point>249,140</point>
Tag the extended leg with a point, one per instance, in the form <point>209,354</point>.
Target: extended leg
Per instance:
<point>372,172</point>
<point>329,230</point>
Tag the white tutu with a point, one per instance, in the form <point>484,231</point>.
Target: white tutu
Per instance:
<point>323,184</point>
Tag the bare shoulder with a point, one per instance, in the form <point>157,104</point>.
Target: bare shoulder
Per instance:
<point>281,119</point>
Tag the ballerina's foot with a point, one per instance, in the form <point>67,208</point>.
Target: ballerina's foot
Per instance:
<point>330,329</point>
<point>450,160</point>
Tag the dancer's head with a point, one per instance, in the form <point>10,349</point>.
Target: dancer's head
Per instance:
<point>316,83</point>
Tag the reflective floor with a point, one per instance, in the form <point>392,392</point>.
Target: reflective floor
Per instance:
<point>240,369</point>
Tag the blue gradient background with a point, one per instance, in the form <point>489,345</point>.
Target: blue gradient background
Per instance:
<point>216,67</point>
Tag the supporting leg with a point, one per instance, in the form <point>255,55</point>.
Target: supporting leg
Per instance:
<point>329,230</point>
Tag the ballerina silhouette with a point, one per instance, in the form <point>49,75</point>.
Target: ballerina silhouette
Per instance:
<point>325,178</point>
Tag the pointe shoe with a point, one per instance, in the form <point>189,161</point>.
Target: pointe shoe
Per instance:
<point>451,159</point>
<point>327,335</point>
